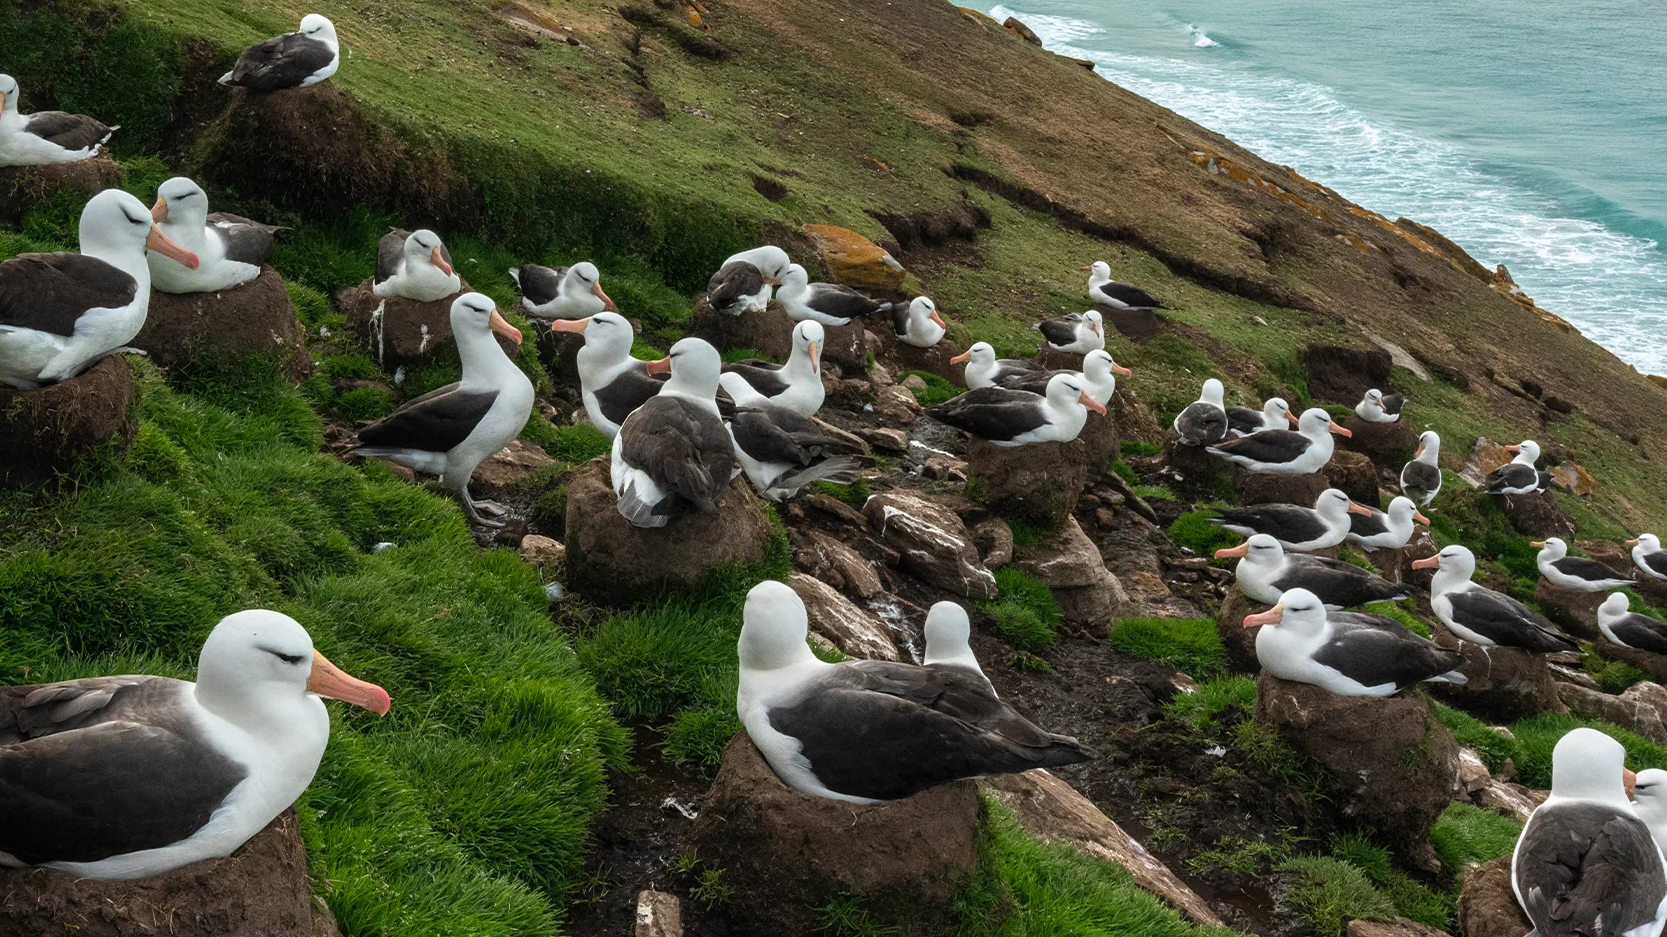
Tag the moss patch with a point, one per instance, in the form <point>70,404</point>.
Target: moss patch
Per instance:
<point>1190,645</point>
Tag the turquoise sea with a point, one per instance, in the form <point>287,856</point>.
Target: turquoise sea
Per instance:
<point>1533,134</point>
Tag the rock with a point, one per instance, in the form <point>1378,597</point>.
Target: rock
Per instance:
<point>1536,515</point>
<point>609,560</point>
<point>832,556</point>
<point>932,543</point>
<point>1238,641</point>
<point>786,853</point>
<point>24,187</point>
<point>1504,683</point>
<point>543,552</point>
<point>1069,564</point>
<point>658,915</point>
<point>945,469</point>
<point>1572,610</point>
<point>50,429</point>
<point>1474,775</point>
<point>1017,28</point>
<point>510,467</point>
<point>1354,473</point>
<point>1642,708</point>
<point>1261,488</point>
<point>1485,456</point>
<point>1344,375</point>
<point>559,353</point>
<point>885,439</point>
<point>1421,545</point>
<point>770,333</point>
<point>1389,442</point>
<point>1039,483</point>
<point>837,618</point>
<point>1398,766</point>
<point>854,260</point>
<point>259,890</point>
<point>913,382</point>
<point>1100,445</point>
<point>831,505</point>
<point>1052,811</point>
<point>1400,927</point>
<point>399,331</point>
<point>896,402</point>
<point>1487,904</point>
<point>933,360</point>
<point>995,541</point>
<point>1512,800</point>
<point>256,317</point>
<point>1574,479</point>
<point>1653,664</point>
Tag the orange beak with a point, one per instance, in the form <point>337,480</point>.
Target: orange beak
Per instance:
<point>771,281</point>
<point>1231,553</point>
<point>1428,562</point>
<point>1537,543</point>
<point>502,327</point>
<point>1358,508</point>
<point>1420,518</point>
<point>607,302</point>
<point>938,319</point>
<point>1293,418</point>
<point>162,244</point>
<point>961,358</point>
<point>1097,330</point>
<point>1092,404</point>
<point>1270,617</point>
<point>1341,431</point>
<point>815,358</point>
<point>1513,448</point>
<point>1119,370</point>
<point>1086,268</point>
<point>159,211</point>
<point>662,366</point>
<point>1629,781</point>
<point>331,681</point>
<point>1419,454</point>
<point>1632,543</point>
<point>570,325</point>
<point>438,261</point>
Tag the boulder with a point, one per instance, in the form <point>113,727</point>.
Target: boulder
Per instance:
<point>1238,641</point>
<point>1488,905</point>
<point>399,331</point>
<point>1039,483</point>
<point>1355,474</point>
<point>1572,610</point>
<point>1100,445</point>
<point>1389,442</point>
<point>835,617</point>
<point>1653,664</point>
<point>786,853</point>
<point>256,317</point>
<point>1069,564</point>
<point>1642,708</point>
<point>510,468</point>
<point>1262,488</point>
<point>1536,515</point>
<point>854,260</point>
<point>931,542</point>
<point>257,891</point>
<point>1504,684</point>
<point>885,439</point>
<point>832,561</point>
<point>1053,359</point>
<point>609,560</point>
<point>1485,455</point>
<point>995,541</point>
<point>559,353</point>
<point>24,187</point>
<point>49,429</point>
<point>1574,479</point>
<point>541,551</point>
<point>770,333</point>
<point>1397,765</point>
<point>1194,467</point>
<point>1421,545</point>
<point>1510,799</point>
<point>1053,812</point>
<point>844,346</point>
<point>1017,27</point>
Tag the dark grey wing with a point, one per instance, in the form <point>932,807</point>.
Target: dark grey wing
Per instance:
<point>247,242</point>
<point>685,449</point>
<point>629,390</point>
<point>49,292</point>
<point>733,282</point>
<point>1287,523</point>
<point>1585,869</point>
<point>1369,525</point>
<point>892,730</point>
<point>1272,446</point>
<point>993,413</point>
<point>32,712</point>
<point>539,284</point>
<point>280,62</point>
<point>1582,568</point>
<point>1012,367</point>
<point>435,422</point>
<point>773,433</point>
<point>1244,419</point>
<point>70,131</point>
<point>1062,330</point>
<point>764,378</point>
<point>1657,561</point>
<point>1392,403</point>
<point>1202,424</point>
<point>1420,476</point>
<point>900,319</point>
<point>1506,621</point>
<point>1034,381</point>
<point>1642,632</point>
<point>1375,650</point>
<point>1132,296</point>
<point>390,253</point>
<point>1336,582</point>
<point>841,302</point>
<point>1510,476</point>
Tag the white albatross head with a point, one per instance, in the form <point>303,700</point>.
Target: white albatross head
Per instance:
<point>1429,447</point>
<point>314,26</point>
<point>948,635</point>
<point>775,629</point>
<point>1315,422</point>
<point>1098,272</point>
<point>808,337</point>
<point>1453,564</point>
<point>584,279</point>
<point>1552,549</point>
<point>9,90</point>
<point>474,317</point>
<point>1649,543</point>
<point>1588,765</point>
<point>423,246</point>
<point>922,310</point>
<point>115,227</point>
<point>1527,452</point>
<point>1213,393</point>
<point>608,332</point>
<point>1069,390</point>
<point>694,366</point>
<point>1613,609</point>
<point>980,355</point>
<point>1649,793</point>
<point>182,201</point>
<point>1260,551</point>
<point>257,660</point>
<point>1298,611</point>
<point>1335,505</point>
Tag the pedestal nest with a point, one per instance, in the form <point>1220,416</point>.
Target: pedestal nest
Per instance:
<point>48,430</point>
<point>255,317</point>
<point>399,332</point>
<point>1039,483</point>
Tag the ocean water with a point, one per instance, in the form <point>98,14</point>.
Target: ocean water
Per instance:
<point>1534,135</point>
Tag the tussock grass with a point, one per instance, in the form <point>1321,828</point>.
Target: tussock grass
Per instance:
<point>1475,734</point>
<point>1024,610</point>
<point>936,391</point>
<point>1190,645</point>
<point>1211,699</point>
<point>1194,531</point>
<point>1465,833</point>
<point>1328,893</point>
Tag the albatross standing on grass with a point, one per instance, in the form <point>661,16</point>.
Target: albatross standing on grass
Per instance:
<point>60,313</point>
<point>414,265</point>
<point>1204,421</point>
<point>1078,333</point>
<point>1386,530</point>
<point>1648,556</point>
<point>827,303</point>
<point>673,455</point>
<point>918,324</point>
<point>1477,614</point>
<point>1103,289</point>
<point>1265,572</point>
<point>1099,377</point>
<point>133,776</point>
<point>1275,414</point>
<point>549,293</point>
<point>1285,452</point>
<point>782,451</point>
<point>293,60</point>
<point>1586,863</point>
<point>1295,527</point>
<point>1518,476</point>
<point>1018,417</point>
<point>612,383</point>
<point>872,730</point>
<point>1346,653</point>
<point>984,369</point>
<point>230,249</point>
<point>742,284</point>
<point>1627,628</point>
<point>451,430</point>
<point>1575,572</point>
<point>796,385</point>
<point>1421,478</point>
<point>45,137</point>
<point>1378,407</point>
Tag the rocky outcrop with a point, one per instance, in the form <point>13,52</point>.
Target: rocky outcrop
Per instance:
<point>1485,455</point>
<point>847,626</point>
<point>48,430</point>
<point>931,542</point>
<point>1397,765</point>
<point>835,563</point>
<point>510,468</point>
<point>1504,684</point>
<point>399,331</point>
<point>1354,474</point>
<point>934,360</point>
<point>1487,905</point>
<point>1572,610</point>
<point>1262,488</point>
<point>257,317</point>
<point>1069,564</point>
<point>786,853</point>
<point>1573,479</point>
<point>1039,483</point>
<point>1054,812</point>
<point>854,260</point>
<point>610,560</point>
<point>770,333</point>
<point>257,891</point>
<point>1642,708</point>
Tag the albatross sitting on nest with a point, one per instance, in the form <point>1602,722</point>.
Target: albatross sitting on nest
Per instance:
<point>796,385</point>
<point>673,455</point>
<point>1477,614</point>
<point>1017,417</point>
<point>984,369</point>
<point>1648,556</point>
<point>294,60</point>
<point>550,293</point>
<point>1378,407</point>
<point>1518,476</point>
<point>1295,527</point>
<point>918,324</point>
<point>1575,572</point>
<point>1265,572</point>
<point>1285,452</point>
<point>1346,653</point>
<point>1627,628</point>
<point>230,249</point>
<point>414,265</point>
<point>742,283</point>
<point>831,304</point>
<point>1078,333</point>
<point>45,137</point>
<point>865,731</point>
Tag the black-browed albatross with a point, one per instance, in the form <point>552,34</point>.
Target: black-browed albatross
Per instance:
<point>1103,289</point>
<point>948,633</point>
<point>1018,417</point>
<point>1518,476</point>
<point>782,451</point>
<point>549,293</point>
<point>414,265</point>
<point>293,60</point>
<point>611,382</point>
<point>1346,653</point>
<point>1265,572</point>
<point>1648,556</point>
<point>1077,332</point>
<point>45,137</point>
<point>1421,478</point>
<point>229,248</point>
<point>1295,527</point>
<point>673,455</point>
<point>1204,421</point>
<point>984,369</point>
<point>828,303</point>
<point>1477,614</point>
<point>1302,451</point>
<point>1575,572</point>
<point>743,281</point>
<point>796,385</point>
<point>1378,407</point>
<point>1627,628</point>
<point>1386,530</point>
<point>918,323</point>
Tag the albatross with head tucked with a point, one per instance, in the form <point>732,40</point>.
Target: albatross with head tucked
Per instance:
<point>1620,624</point>
<point>299,59</point>
<point>1204,421</point>
<point>1275,414</point>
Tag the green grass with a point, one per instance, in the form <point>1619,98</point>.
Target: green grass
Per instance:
<point>1194,531</point>
<point>1397,611</point>
<point>1465,833</point>
<point>1024,610</point>
<point>1536,738</point>
<point>1473,733</point>
<point>1328,893</point>
<point>849,916</point>
<point>577,443</point>
<point>1614,676</point>
<point>1134,447</point>
<point>1237,855</point>
<point>936,391</point>
<point>1154,492</point>
<point>1190,645</point>
<point>1211,699</point>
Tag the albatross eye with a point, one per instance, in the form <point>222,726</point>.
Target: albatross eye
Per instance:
<point>286,658</point>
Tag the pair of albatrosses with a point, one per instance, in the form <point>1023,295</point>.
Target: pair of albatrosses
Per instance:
<point>45,137</point>
<point>229,248</point>
<point>867,731</point>
<point>1019,417</point>
<point>1477,614</point>
<point>132,776</point>
<point>61,313</point>
<point>742,283</point>
<point>1321,527</point>
<point>1346,653</point>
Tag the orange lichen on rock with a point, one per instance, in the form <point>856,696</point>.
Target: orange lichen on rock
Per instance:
<point>855,260</point>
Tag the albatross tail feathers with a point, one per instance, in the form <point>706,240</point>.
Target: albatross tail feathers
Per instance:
<point>1063,750</point>
<point>637,512</point>
<point>840,471</point>
<point>1451,676</point>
